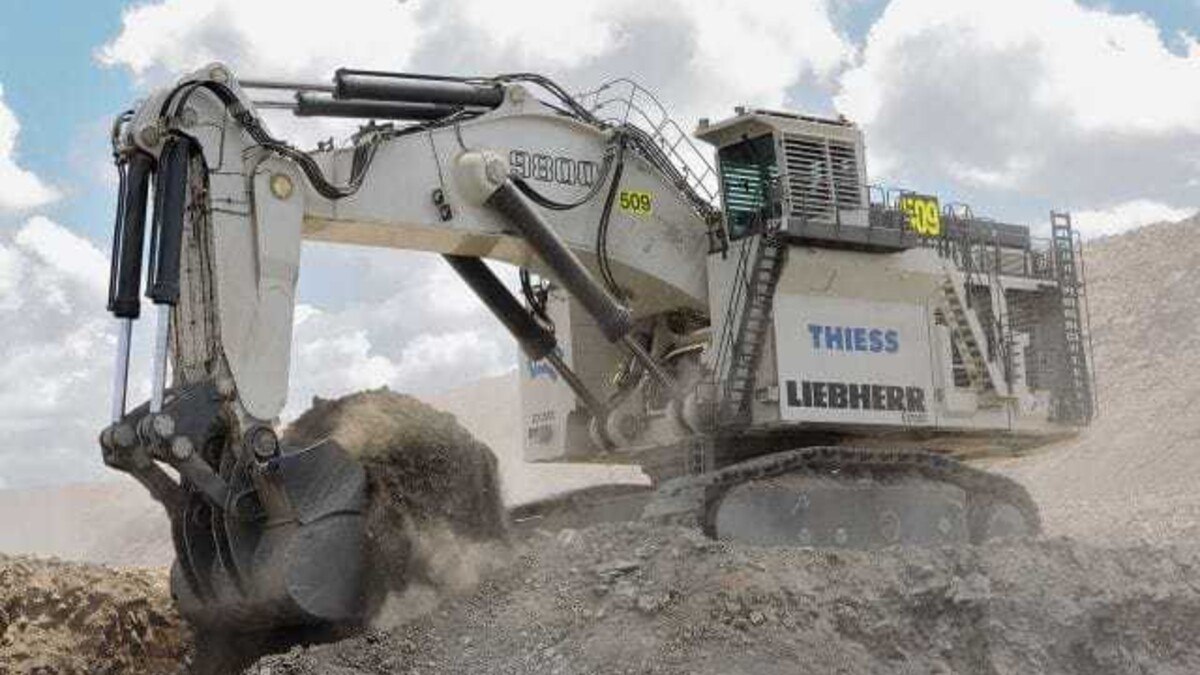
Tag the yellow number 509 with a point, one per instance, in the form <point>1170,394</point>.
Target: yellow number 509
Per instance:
<point>635,202</point>
<point>923,215</point>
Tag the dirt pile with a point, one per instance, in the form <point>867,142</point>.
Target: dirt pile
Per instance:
<point>61,618</point>
<point>434,490</point>
<point>421,464</point>
<point>629,598</point>
<point>435,519</point>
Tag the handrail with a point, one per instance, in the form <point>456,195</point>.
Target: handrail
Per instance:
<point>1087,312</point>
<point>738,290</point>
<point>689,159</point>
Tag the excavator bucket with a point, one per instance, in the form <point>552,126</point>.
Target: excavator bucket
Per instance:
<point>239,568</point>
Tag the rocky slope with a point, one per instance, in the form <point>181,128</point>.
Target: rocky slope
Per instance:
<point>112,523</point>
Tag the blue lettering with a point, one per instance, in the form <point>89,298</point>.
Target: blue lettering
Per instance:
<point>833,338</point>
<point>543,368</point>
<point>854,338</point>
<point>860,339</point>
<point>815,331</point>
<point>876,339</point>
<point>892,338</point>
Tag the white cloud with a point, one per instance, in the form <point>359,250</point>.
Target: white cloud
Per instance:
<point>415,328</point>
<point>1104,70</point>
<point>707,55</point>
<point>57,343</point>
<point>329,364</point>
<point>62,249</point>
<point>265,38</point>
<point>1126,216</point>
<point>563,34</point>
<point>701,57</point>
<point>1045,98</point>
<point>338,364</point>
<point>303,312</point>
<point>19,188</point>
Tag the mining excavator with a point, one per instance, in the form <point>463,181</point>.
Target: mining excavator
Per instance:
<point>794,355</point>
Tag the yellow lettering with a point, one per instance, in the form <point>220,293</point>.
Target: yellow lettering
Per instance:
<point>636,202</point>
<point>922,214</point>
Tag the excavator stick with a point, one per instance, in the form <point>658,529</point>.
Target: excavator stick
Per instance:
<point>264,537</point>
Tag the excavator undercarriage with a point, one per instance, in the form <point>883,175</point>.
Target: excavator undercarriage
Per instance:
<point>794,356</point>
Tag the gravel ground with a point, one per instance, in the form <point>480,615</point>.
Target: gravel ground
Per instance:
<point>630,598</point>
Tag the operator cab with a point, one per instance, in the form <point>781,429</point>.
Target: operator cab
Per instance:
<point>809,172</point>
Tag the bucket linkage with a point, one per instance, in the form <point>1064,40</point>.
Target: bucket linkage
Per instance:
<point>264,537</point>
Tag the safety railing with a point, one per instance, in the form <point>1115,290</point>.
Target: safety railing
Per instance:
<point>971,242</point>
<point>623,101</point>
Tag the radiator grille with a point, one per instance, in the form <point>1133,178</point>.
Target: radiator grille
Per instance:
<point>822,176</point>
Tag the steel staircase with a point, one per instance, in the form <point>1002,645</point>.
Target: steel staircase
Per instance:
<point>983,340</point>
<point>1074,392</point>
<point>962,323</point>
<point>1003,336</point>
<point>748,320</point>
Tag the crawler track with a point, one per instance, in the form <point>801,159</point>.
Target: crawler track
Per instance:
<point>695,500</point>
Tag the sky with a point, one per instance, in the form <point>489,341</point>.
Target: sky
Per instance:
<point>1013,106</point>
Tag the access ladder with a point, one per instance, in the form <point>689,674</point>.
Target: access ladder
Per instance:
<point>1074,402</point>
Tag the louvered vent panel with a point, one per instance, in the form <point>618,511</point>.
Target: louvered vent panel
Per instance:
<point>822,174</point>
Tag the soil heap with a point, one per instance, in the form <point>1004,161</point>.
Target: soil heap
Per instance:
<point>434,492</point>
<point>61,618</point>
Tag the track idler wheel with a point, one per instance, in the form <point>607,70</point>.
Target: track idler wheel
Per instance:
<point>287,549</point>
